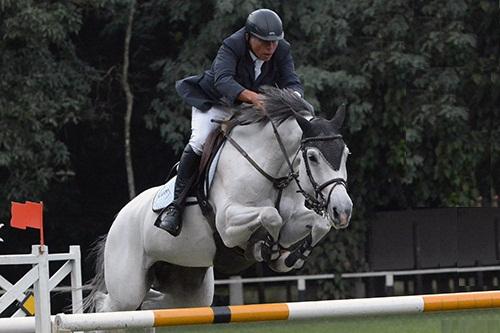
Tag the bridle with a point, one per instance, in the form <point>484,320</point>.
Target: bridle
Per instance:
<point>318,203</point>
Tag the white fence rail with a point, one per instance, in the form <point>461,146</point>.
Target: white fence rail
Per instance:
<point>236,283</point>
<point>39,277</point>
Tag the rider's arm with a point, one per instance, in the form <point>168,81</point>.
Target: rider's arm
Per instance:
<point>249,96</point>
<point>224,68</point>
<point>224,72</point>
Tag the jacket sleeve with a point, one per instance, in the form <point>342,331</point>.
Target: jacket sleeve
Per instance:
<point>224,69</point>
<point>288,78</point>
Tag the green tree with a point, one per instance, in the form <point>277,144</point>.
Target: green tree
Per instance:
<point>43,87</point>
<point>406,68</point>
<point>482,88</point>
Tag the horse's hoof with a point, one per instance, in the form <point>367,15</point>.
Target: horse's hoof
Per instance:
<point>298,264</point>
<point>275,251</point>
<point>279,265</point>
<point>261,252</point>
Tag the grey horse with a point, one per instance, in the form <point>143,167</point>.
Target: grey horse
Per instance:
<point>140,266</point>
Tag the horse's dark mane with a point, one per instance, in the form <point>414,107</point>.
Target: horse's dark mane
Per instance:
<point>279,105</point>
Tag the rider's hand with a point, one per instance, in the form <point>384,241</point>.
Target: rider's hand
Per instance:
<point>251,97</point>
<point>258,102</point>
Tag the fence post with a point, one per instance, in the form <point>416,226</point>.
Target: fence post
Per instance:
<point>76,280</point>
<point>236,291</point>
<point>301,289</point>
<point>389,284</point>
<point>41,290</point>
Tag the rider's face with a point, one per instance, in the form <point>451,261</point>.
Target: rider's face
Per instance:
<point>263,49</point>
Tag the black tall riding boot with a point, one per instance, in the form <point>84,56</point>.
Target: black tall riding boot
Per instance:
<point>170,218</point>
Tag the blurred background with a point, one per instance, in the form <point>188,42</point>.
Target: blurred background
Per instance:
<point>422,79</point>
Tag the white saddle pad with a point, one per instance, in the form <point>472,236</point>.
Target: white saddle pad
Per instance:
<point>165,194</point>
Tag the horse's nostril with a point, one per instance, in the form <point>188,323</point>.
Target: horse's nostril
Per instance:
<point>344,219</point>
<point>335,214</point>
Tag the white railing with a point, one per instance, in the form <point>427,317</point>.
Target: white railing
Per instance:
<point>39,277</point>
<point>236,283</point>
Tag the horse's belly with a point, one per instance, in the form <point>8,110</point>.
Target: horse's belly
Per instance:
<point>194,247</point>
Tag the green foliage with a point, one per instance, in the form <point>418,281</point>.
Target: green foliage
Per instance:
<point>43,87</point>
<point>415,76</point>
<point>195,31</point>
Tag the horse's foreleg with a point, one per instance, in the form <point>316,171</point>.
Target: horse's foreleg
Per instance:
<point>312,227</point>
<point>237,223</point>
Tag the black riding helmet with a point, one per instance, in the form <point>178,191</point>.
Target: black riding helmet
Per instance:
<point>264,24</point>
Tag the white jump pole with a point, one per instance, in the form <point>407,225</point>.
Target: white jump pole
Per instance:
<point>277,311</point>
<point>19,324</point>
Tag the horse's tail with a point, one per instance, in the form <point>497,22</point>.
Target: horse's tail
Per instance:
<point>96,284</point>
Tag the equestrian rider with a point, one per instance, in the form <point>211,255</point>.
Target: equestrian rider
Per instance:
<point>253,56</point>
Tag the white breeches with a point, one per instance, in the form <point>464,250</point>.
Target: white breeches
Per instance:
<point>201,125</point>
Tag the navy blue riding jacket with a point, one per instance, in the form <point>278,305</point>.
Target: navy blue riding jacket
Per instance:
<point>232,71</point>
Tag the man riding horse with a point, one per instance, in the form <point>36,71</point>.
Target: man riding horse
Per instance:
<point>292,169</point>
<point>254,56</point>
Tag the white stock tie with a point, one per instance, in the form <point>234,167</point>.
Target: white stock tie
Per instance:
<point>257,67</point>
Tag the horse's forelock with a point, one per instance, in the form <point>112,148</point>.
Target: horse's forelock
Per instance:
<point>279,105</point>
<point>285,102</point>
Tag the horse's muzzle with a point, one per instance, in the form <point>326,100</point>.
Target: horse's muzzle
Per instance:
<point>340,220</point>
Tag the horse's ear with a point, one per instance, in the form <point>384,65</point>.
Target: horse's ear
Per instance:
<point>304,124</point>
<point>338,119</point>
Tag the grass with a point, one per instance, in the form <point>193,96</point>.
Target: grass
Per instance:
<point>464,321</point>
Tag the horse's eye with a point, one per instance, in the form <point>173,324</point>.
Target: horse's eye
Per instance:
<point>312,157</point>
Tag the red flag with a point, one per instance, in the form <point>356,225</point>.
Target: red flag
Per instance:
<point>29,214</point>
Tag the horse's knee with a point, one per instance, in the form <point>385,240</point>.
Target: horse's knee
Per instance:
<point>319,230</point>
<point>271,220</point>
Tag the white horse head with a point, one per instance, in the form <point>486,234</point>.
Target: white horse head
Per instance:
<point>321,187</point>
<point>324,157</point>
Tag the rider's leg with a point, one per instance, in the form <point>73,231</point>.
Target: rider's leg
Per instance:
<point>170,219</point>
